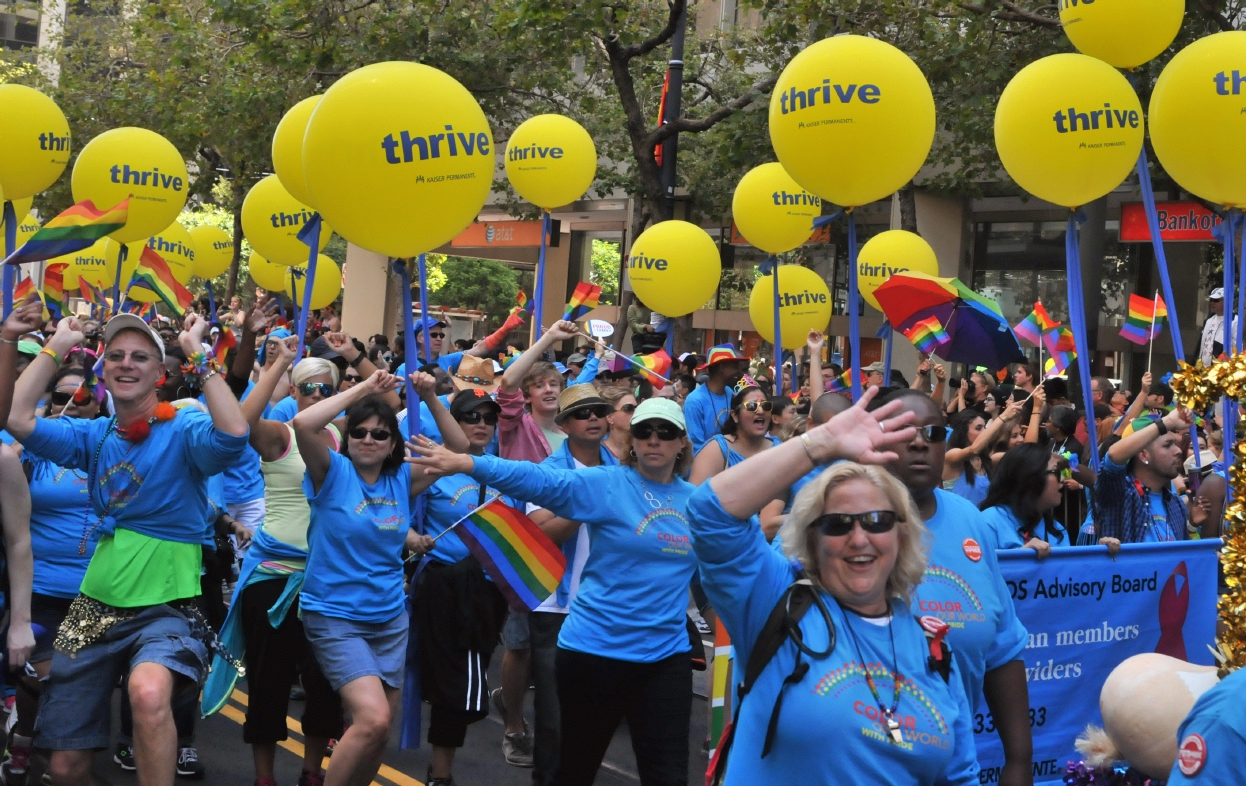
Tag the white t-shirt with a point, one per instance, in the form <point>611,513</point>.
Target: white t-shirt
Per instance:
<point>576,567</point>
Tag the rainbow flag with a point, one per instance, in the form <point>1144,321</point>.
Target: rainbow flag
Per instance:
<point>1036,325</point>
<point>144,311</point>
<point>843,382</point>
<point>73,230</point>
<point>522,300</point>
<point>583,300</point>
<point>152,274</point>
<point>653,367</point>
<point>1061,350</point>
<point>927,335</point>
<point>54,288</point>
<point>23,288</point>
<point>521,559</point>
<point>92,294</point>
<point>225,341</point>
<point>1142,311</point>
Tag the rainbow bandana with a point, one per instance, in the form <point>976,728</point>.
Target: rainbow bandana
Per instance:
<point>721,354</point>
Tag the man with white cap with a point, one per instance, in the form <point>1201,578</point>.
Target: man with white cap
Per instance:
<point>147,470</point>
<point>1212,343</point>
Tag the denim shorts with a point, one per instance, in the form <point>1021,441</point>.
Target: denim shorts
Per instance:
<point>515,633</point>
<point>347,650</point>
<point>76,707</point>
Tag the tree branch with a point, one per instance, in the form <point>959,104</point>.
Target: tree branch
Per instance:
<point>690,125</point>
<point>1014,13</point>
<point>1209,9</point>
<point>645,47</point>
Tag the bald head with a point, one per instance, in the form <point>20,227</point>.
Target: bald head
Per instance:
<point>828,406</point>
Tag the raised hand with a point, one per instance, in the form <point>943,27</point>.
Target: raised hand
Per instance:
<point>27,317</point>
<point>257,319</point>
<point>380,382</point>
<point>1146,382</point>
<point>67,336</point>
<point>425,384</point>
<point>193,331</point>
<point>287,350</point>
<point>563,330</point>
<point>814,341</point>
<point>342,344</point>
<point>436,459</point>
<point>858,435</point>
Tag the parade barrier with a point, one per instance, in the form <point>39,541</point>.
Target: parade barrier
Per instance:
<point>1086,613</point>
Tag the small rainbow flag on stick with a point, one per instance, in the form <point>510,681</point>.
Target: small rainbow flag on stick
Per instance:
<point>522,300</point>
<point>144,311</point>
<point>927,335</point>
<point>152,274</point>
<point>1060,348</point>
<point>654,367</point>
<point>92,294</point>
<point>225,341</point>
<point>1146,319</point>
<point>843,382</point>
<point>54,288</point>
<point>521,559</point>
<point>1036,325</point>
<point>23,288</point>
<point>73,230</point>
<point>583,300</point>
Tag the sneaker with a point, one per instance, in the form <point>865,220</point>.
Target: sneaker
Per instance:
<point>188,764</point>
<point>431,781</point>
<point>495,698</point>
<point>125,757</point>
<point>517,748</point>
<point>297,693</point>
<point>310,779</point>
<point>13,771</point>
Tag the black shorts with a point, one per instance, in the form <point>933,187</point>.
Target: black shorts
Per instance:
<point>46,611</point>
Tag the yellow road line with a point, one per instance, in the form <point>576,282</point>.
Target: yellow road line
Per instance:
<point>295,747</point>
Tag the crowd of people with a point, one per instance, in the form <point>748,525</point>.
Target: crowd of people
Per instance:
<point>174,521</point>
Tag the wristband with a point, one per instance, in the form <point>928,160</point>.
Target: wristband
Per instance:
<point>50,353</point>
<point>355,363</point>
<point>804,440</point>
<point>1163,427</point>
<point>4,340</point>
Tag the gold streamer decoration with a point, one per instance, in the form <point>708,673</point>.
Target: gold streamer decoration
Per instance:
<point>1197,388</point>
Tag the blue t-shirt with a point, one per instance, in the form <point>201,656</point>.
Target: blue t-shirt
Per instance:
<point>447,501</point>
<point>829,729</point>
<point>562,459</point>
<point>975,491</point>
<point>428,424</point>
<point>964,588</point>
<point>634,590</point>
<point>1160,530</point>
<point>448,362</point>
<point>59,505</point>
<point>1005,527</point>
<point>173,463</point>
<point>1217,727</point>
<point>705,412</point>
<point>354,543</point>
<point>283,411</point>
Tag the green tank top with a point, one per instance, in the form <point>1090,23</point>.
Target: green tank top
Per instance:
<point>287,513</point>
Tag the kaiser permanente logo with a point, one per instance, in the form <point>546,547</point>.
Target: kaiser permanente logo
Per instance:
<point>406,148</point>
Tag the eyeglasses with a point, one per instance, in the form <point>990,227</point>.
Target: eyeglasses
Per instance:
<point>119,356</point>
<point>934,434</point>
<point>667,432</point>
<point>352,378</point>
<point>627,409</point>
<point>308,388</point>
<point>60,399</point>
<point>875,522</point>
<point>472,418</point>
<point>378,434</point>
<point>434,334</point>
<point>597,410</point>
<point>753,406</point>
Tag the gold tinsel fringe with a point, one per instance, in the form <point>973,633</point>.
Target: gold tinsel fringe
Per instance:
<point>1197,388</point>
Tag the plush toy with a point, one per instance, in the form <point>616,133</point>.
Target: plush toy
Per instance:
<point>1143,703</point>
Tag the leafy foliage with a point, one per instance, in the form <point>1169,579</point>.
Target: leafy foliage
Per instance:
<point>481,284</point>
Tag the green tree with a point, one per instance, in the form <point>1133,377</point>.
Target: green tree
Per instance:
<point>606,259</point>
<point>481,284</point>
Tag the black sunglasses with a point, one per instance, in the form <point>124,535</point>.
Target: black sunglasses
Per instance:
<point>472,418</point>
<point>434,334</point>
<point>60,399</point>
<point>753,406</point>
<point>308,388</point>
<point>378,434</point>
<point>597,410</point>
<point>627,409</point>
<point>934,434</point>
<point>835,525</point>
<point>667,432</point>
<point>352,378</point>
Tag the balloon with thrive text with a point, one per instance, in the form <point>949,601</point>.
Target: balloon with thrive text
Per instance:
<point>1122,33</point>
<point>35,138</point>
<point>137,164</point>
<point>214,250</point>
<point>852,119</point>
<point>888,253</point>
<point>1198,118</point>
<point>1068,129</point>
<point>325,288</point>
<point>98,264</point>
<point>177,249</point>
<point>288,149</point>
<point>550,160</point>
<point>272,219</point>
<point>772,211</point>
<point>804,305</point>
<point>398,157</point>
<point>674,267</point>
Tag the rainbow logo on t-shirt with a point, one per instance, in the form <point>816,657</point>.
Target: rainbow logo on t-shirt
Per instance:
<point>381,518</point>
<point>854,671</point>
<point>937,574</point>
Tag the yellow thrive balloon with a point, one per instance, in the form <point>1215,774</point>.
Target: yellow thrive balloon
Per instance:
<point>550,160</point>
<point>270,275</point>
<point>136,163</point>
<point>1198,118</point>
<point>176,247</point>
<point>674,267</point>
<point>852,119</point>
<point>98,264</point>
<point>271,220</point>
<point>772,211</point>
<point>398,157</point>
<point>888,253</point>
<point>214,250</point>
<point>804,305</point>
<point>288,148</point>
<point>34,136</point>
<point>326,287</point>
<point>1068,128</point>
<point>1123,33</point>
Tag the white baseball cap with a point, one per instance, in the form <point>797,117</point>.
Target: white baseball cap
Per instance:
<point>1216,294</point>
<point>132,322</point>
